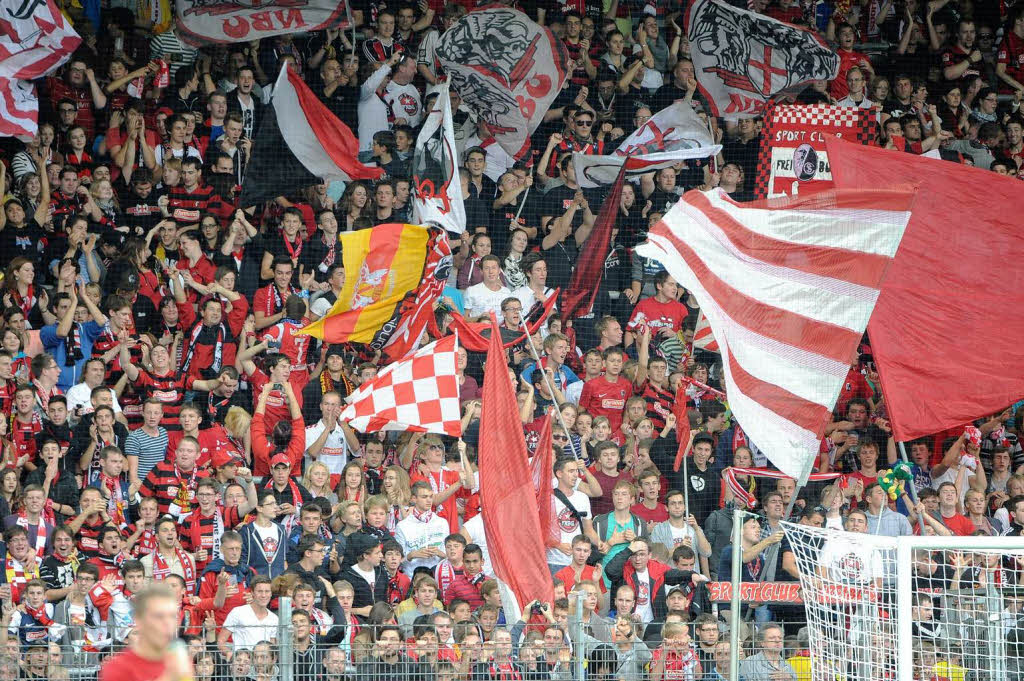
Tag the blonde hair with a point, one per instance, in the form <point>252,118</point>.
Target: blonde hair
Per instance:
<point>307,478</point>
<point>376,501</point>
<point>237,421</point>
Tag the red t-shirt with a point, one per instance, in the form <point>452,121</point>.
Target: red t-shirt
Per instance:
<point>130,666</point>
<point>855,385</point>
<point>568,576</point>
<point>847,60</point>
<point>602,397</point>
<point>959,525</point>
<point>658,514</point>
<point>669,314</point>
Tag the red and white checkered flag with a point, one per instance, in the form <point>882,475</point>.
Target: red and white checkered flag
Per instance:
<point>418,394</point>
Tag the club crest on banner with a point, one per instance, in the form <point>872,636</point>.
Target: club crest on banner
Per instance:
<point>202,22</point>
<point>742,58</point>
<point>792,158</point>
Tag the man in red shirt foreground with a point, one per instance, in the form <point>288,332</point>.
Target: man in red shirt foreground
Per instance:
<point>150,657</point>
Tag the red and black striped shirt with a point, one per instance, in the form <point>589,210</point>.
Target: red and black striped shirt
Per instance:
<point>659,403</point>
<point>197,532</point>
<point>187,206</point>
<point>169,390</point>
<point>165,482</point>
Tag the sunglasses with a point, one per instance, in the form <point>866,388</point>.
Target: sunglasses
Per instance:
<point>588,123</point>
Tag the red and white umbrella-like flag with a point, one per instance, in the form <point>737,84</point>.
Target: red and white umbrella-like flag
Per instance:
<point>788,286</point>
<point>703,337</point>
<point>418,394</point>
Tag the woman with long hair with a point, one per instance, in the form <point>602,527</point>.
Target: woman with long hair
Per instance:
<point>470,272</point>
<point>317,479</point>
<point>29,192</point>
<point>10,491</point>
<point>517,244</point>
<point>104,196</point>
<point>209,235</point>
<point>20,291</point>
<point>356,202</point>
<point>352,486</point>
<point>287,437</point>
<point>395,486</point>
<point>137,254</point>
<point>76,154</point>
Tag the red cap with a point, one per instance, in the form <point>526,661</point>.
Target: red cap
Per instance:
<point>166,110</point>
<point>279,459</point>
<point>223,458</point>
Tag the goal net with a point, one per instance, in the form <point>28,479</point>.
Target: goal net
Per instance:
<point>911,608</point>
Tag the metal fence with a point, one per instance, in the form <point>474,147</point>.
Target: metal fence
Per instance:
<point>603,647</point>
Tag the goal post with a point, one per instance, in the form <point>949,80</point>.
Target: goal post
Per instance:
<point>911,608</point>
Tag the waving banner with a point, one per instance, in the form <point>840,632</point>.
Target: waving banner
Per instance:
<point>435,170</point>
<point>742,58</point>
<point>672,135</point>
<point>35,39</point>
<point>202,22</point>
<point>507,69</point>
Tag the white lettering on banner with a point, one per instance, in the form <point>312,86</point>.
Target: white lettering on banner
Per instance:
<point>757,592</point>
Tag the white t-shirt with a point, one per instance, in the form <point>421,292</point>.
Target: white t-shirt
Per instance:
<point>644,597</point>
<point>480,300</point>
<point>475,527</point>
<point>413,534</point>
<point>568,526</point>
<point>80,395</point>
<point>247,630</point>
<point>405,102</point>
<point>850,563</point>
<point>335,453</point>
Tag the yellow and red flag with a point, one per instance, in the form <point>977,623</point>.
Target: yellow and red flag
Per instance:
<point>393,275</point>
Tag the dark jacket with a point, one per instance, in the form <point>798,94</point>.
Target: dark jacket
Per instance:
<point>620,571</point>
<point>363,595</point>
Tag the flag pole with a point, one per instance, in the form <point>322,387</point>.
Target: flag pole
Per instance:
<point>548,383</point>
<point>906,460</point>
<point>686,484</point>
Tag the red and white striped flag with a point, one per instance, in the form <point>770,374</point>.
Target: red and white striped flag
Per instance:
<point>788,286</point>
<point>703,338</point>
<point>34,41</point>
<point>419,394</point>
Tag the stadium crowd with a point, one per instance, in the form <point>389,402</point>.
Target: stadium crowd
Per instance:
<point>162,421</point>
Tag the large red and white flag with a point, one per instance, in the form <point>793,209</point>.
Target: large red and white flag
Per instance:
<point>419,394</point>
<point>788,286</point>
<point>508,70</point>
<point>35,39</point>
<point>743,59</point>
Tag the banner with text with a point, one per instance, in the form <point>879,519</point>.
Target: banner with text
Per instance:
<point>202,22</point>
<point>792,158</point>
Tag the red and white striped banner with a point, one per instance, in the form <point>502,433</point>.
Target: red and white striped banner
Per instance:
<point>740,492</point>
<point>35,39</point>
<point>788,286</point>
<point>703,338</point>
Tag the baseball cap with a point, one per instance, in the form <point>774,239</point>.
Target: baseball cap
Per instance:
<point>704,437</point>
<point>676,589</point>
<point>335,349</point>
<point>223,458</point>
<point>280,460</point>
<point>359,543</point>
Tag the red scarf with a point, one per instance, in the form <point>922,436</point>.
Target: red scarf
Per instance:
<point>116,505</point>
<point>28,302</point>
<point>38,614</point>
<point>146,543</point>
<point>504,672</point>
<point>293,251</point>
<point>162,570</point>
<point>43,527</point>
<point>424,517</point>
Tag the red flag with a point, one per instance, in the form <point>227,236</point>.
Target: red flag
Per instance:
<point>540,467</point>
<point>579,296</point>
<point>507,495</point>
<point>943,364</point>
<point>682,424</point>
<point>470,333</point>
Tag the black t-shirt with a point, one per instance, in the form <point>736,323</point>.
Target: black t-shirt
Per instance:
<point>503,215</point>
<point>27,242</point>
